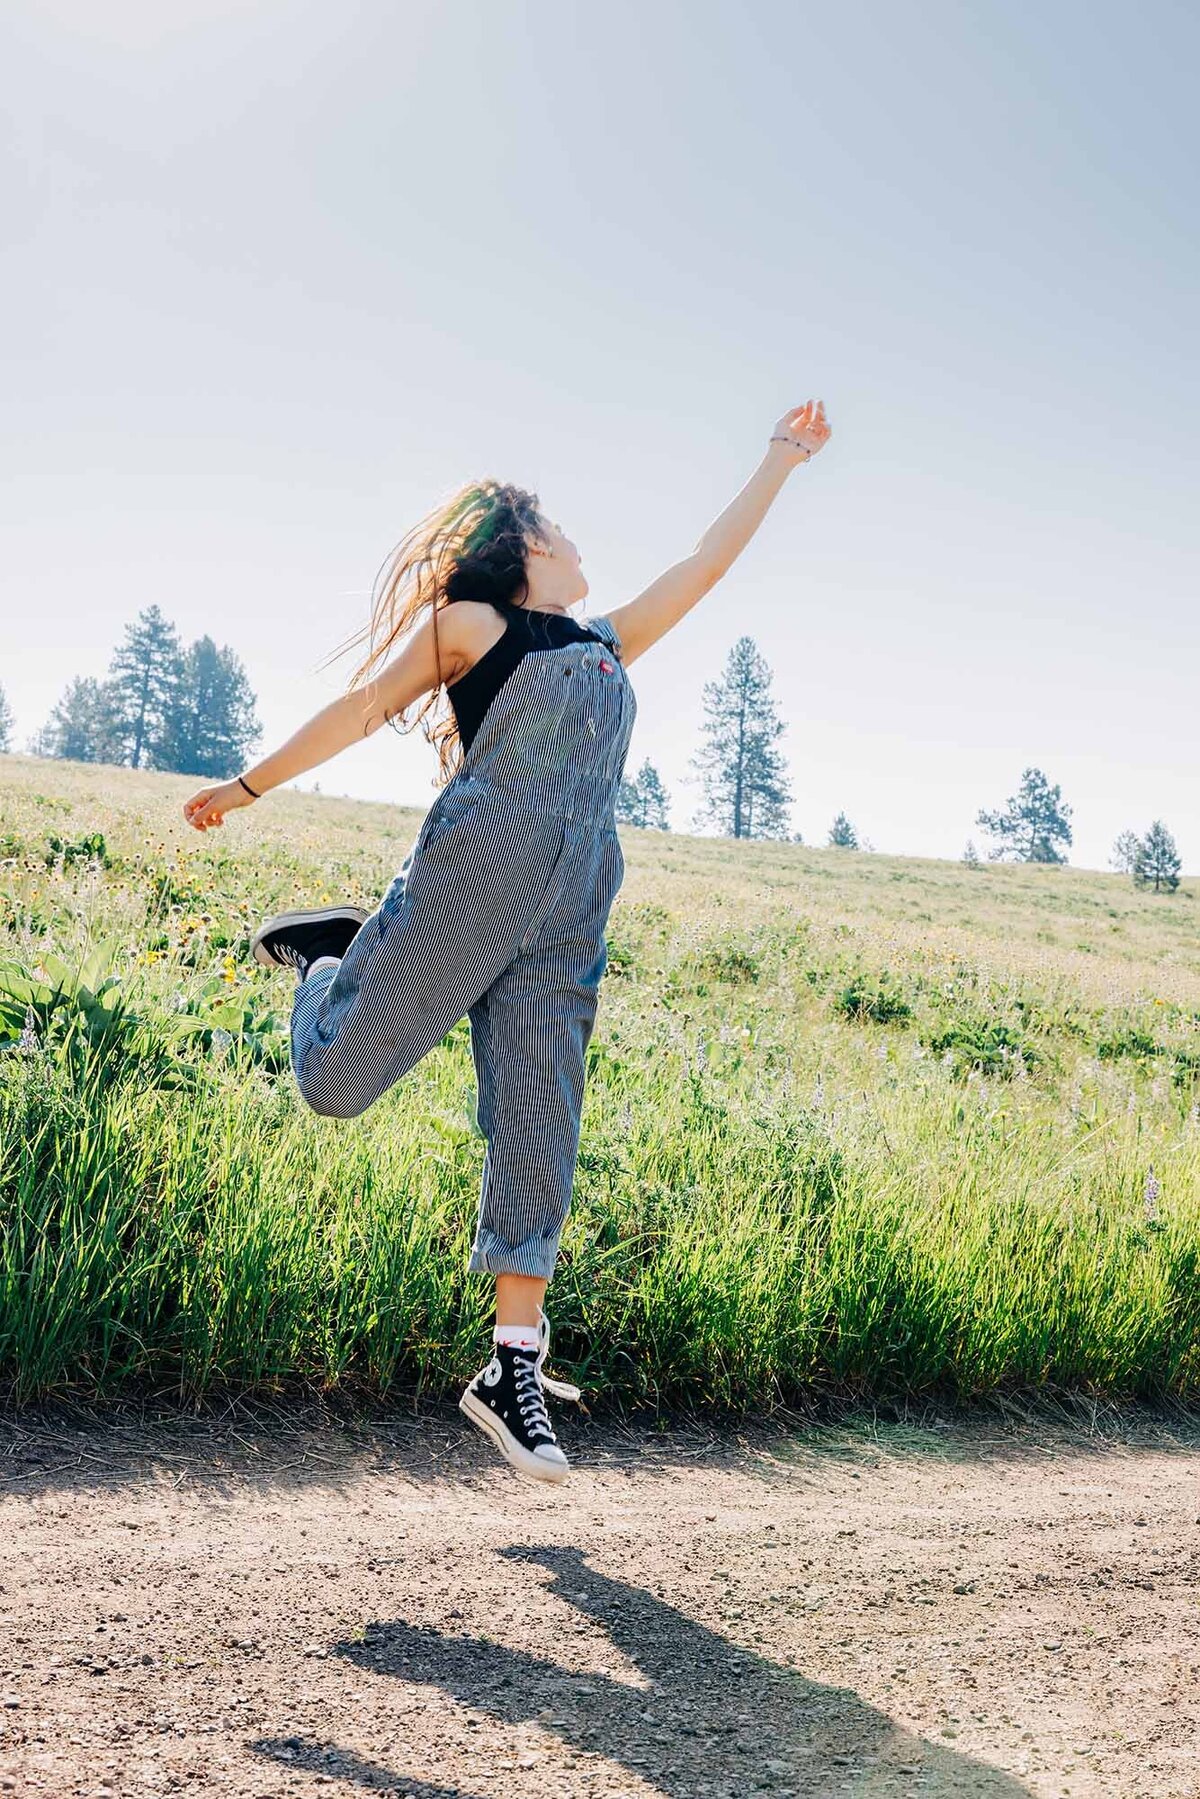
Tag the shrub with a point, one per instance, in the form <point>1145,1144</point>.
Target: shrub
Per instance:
<point>990,1045</point>
<point>866,998</point>
<point>729,962</point>
<point>83,849</point>
<point>1127,1042</point>
<point>81,1018</point>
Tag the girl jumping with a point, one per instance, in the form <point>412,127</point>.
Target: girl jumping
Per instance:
<point>499,911</point>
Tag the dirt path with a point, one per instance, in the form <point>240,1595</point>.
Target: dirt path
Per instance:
<point>252,1609</point>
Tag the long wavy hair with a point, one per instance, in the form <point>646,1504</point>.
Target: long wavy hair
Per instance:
<point>472,547</point>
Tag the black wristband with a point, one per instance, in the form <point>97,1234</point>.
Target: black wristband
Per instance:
<point>250,790</point>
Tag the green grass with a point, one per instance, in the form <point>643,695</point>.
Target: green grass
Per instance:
<point>855,1126</point>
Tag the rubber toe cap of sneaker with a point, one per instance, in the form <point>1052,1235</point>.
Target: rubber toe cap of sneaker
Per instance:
<point>555,1462</point>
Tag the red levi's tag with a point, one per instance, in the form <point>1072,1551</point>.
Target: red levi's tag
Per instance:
<point>606,668</point>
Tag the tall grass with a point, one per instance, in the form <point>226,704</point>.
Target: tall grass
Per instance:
<point>818,1156</point>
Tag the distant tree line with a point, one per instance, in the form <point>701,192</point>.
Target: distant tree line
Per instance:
<point>1152,860</point>
<point>1034,826</point>
<point>192,711</point>
<point>189,710</point>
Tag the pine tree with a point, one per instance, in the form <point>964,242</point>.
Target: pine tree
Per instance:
<point>971,855</point>
<point>842,835</point>
<point>1125,852</point>
<point>143,674</point>
<point>1033,823</point>
<point>6,721</point>
<point>1157,863</point>
<point>86,724</point>
<point>643,801</point>
<point>746,792</point>
<point>210,724</point>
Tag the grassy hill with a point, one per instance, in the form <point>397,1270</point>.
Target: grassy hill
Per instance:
<point>855,1124</point>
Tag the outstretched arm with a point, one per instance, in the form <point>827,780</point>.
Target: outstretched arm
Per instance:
<point>799,434</point>
<point>344,721</point>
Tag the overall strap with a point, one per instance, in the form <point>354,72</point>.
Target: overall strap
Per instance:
<point>604,628</point>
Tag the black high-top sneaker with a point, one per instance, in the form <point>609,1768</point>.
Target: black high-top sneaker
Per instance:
<point>507,1401</point>
<point>296,939</point>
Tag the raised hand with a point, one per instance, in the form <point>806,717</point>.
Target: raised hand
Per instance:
<point>802,431</point>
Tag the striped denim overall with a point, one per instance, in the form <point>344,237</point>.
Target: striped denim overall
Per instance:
<point>498,913</point>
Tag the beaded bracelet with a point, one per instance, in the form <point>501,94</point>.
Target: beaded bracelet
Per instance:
<point>250,790</point>
<point>795,446</point>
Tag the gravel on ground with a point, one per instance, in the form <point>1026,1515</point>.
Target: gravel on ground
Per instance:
<point>259,1606</point>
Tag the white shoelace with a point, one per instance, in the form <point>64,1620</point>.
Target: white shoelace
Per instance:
<point>561,1389</point>
<point>531,1400</point>
<point>532,1385</point>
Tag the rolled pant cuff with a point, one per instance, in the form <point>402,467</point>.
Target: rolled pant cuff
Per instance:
<point>490,1254</point>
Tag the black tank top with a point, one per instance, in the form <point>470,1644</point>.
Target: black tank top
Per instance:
<point>526,632</point>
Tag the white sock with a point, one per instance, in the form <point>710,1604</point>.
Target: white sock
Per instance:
<point>520,1336</point>
<point>322,962</point>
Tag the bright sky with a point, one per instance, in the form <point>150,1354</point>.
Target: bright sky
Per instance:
<point>278,274</point>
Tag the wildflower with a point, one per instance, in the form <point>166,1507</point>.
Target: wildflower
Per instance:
<point>818,1098</point>
<point>28,1042</point>
<point>1150,1197</point>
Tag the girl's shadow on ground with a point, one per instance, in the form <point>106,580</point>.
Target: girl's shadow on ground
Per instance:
<point>713,1718</point>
